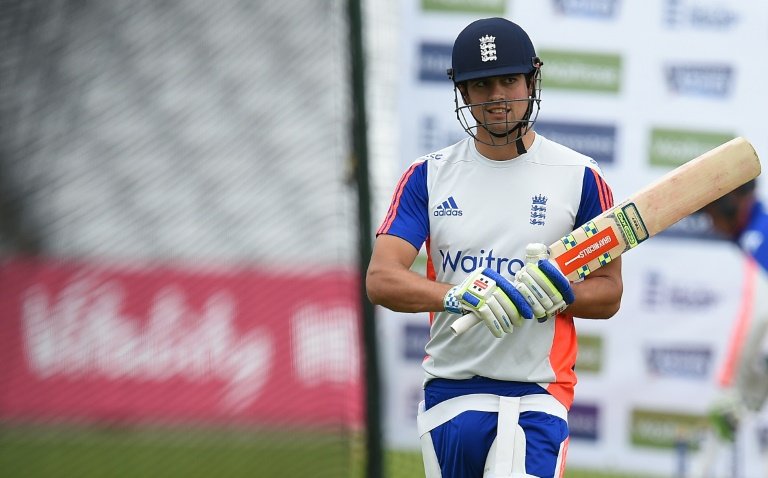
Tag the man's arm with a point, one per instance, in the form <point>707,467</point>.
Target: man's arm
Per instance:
<point>598,296</point>
<point>390,282</point>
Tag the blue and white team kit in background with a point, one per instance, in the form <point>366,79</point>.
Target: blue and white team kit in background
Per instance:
<point>750,376</point>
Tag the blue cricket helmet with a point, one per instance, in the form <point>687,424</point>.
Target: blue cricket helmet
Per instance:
<point>492,47</point>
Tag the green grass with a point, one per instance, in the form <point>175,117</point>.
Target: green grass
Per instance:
<point>61,452</point>
<point>125,453</point>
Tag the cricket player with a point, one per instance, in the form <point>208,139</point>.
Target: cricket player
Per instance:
<point>743,219</point>
<point>496,398</point>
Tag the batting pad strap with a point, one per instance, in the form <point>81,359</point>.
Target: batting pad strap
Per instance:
<point>428,454</point>
<point>510,439</point>
<point>441,413</point>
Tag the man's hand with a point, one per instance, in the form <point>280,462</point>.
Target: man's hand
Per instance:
<point>490,297</point>
<point>544,287</point>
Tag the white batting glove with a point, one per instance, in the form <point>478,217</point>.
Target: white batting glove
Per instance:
<point>490,297</point>
<point>726,413</point>
<point>544,287</point>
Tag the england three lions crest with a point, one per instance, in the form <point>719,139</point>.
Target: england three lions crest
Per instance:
<point>488,48</point>
<point>538,210</point>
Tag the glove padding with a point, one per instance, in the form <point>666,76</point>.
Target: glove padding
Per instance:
<point>492,298</point>
<point>545,288</point>
<point>726,414</point>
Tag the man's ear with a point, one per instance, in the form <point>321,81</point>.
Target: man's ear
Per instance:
<point>531,81</point>
<point>462,87</point>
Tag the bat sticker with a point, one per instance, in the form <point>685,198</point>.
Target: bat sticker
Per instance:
<point>632,224</point>
<point>584,252</point>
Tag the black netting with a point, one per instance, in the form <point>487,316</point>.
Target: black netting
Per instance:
<point>177,240</point>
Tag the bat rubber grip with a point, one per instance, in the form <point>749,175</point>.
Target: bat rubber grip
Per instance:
<point>464,323</point>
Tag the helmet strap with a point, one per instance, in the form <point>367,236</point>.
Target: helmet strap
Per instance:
<point>520,146</point>
<point>518,141</point>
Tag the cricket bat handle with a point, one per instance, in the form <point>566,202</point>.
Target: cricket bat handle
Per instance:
<point>533,253</point>
<point>464,323</point>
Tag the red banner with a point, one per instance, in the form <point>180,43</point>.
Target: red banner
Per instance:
<point>88,341</point>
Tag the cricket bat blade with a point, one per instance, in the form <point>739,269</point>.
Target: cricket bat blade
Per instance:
<point>677,194</point>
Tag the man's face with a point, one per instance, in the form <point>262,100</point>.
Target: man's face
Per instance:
<point>494,101</point>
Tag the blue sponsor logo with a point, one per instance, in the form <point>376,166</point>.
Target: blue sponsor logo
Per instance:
<point>600,9</point>
<point>700,80</point>
<point>461,260</point>
<point>687,13</point>
<point>595,141</point>
<point>584,421</point>
<point>434,61</point>
<point>448,208</point>
<point>662,293</point>
<point>415,337</point>
<point>680,362</point>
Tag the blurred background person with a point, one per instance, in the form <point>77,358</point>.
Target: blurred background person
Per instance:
<point>741,217</point>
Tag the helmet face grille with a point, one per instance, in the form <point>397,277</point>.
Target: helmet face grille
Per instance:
<point>491,47</point>
<point>515,130</point>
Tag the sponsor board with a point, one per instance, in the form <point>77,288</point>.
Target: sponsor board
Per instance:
<point>584,422</point>
<point>595,9</point>
<point>662,429</point>
<point>590,356</point>
<point>697,15</point>
<point>711,81</point>
<point>468,6</point>
<point>593,140</point>
<point>661,292</point>
<point>434,61</point>
<point>691,362</point>
<point>582,71</point>
<point>415,337</point>
<point>189,345</point>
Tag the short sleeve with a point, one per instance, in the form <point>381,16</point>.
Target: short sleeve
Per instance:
<point>596,197</point>
<point>408,215</point>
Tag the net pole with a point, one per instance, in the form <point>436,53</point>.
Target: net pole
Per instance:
<point>374,462</point>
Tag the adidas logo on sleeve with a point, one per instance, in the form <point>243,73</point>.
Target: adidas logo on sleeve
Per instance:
<point>448,208</point>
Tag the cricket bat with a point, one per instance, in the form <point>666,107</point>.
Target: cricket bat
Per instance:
<point>680,192</point>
